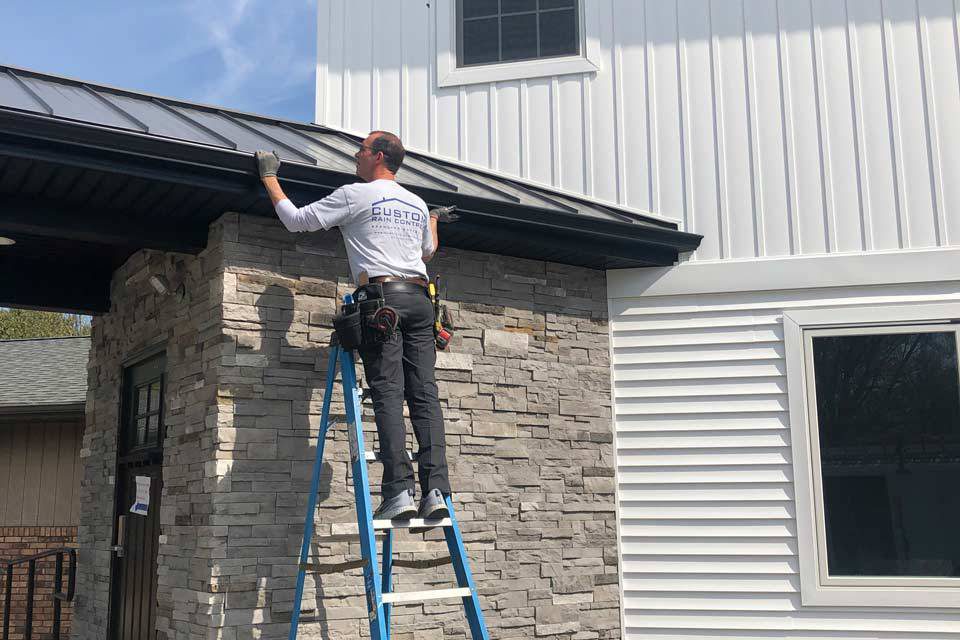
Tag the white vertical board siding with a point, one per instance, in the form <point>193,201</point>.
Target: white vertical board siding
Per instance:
<point>772,127</point>
<point>705,490</point>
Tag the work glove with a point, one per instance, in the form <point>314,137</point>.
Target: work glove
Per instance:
<point>445,214</point>
<point>268,162</point>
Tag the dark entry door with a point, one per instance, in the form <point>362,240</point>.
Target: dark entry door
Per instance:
<point>137,530</point>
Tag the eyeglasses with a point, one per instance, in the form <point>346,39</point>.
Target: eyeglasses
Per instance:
<point>362,147</point>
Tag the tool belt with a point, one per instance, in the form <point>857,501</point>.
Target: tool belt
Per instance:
<point>367,321</point>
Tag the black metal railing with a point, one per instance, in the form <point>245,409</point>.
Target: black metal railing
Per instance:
<point>59,595</point>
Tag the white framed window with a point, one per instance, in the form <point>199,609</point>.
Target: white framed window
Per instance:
<point>481,41</point>
<point>875,423</point>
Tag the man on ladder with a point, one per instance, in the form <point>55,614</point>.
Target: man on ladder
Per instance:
<point>389,236</point>
<point>392,320</point>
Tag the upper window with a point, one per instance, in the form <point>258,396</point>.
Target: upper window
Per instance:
<point>494,31</point>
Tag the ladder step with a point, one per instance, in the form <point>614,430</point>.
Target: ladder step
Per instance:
<point>350,531</point>
<point>420,596</point>
<point>382,525</point>
<point>374,456</point>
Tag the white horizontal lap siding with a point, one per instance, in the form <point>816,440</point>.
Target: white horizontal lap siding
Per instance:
<point>707,520</point>
<point>771,127</point>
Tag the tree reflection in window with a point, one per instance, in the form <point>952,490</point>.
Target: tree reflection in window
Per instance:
<point>888,413</point>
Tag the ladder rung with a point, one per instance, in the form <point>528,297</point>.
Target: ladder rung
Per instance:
<point>420,596</point>
<point>422,564</point>
<point>340,567</point>
<point>374,456</point>
<point>381,525</point>
<point>350,531</point>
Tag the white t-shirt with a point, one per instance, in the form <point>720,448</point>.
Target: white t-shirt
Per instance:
<point>385,228</point>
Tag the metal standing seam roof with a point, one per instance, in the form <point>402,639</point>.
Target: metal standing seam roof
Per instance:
<point>296,143</point>
<point>130,170</point>
<point>43,373</point>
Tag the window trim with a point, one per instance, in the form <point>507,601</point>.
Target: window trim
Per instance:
<point>450,75</point>
<point>817,588</point>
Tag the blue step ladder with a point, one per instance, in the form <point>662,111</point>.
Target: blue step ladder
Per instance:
<point>378,584</point>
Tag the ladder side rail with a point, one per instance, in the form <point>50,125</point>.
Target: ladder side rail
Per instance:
<point>314,488</point>
<point>361,492</point>
<point>387,575</point>
<point>461,566</point>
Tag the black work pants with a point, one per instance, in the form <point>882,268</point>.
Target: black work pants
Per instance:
<point>399,369</point>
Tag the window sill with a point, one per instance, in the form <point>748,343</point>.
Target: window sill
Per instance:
<point>517,71</point>
<point>889,596</point>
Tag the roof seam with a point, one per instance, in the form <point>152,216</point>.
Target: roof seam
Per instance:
<point>263,134</point>
<point>33,94</point>
<point>199,125</point>
<point>129,116</point>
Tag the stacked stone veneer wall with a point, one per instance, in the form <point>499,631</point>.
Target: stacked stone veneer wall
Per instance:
<point>186,323</point>
<point>526,394</point>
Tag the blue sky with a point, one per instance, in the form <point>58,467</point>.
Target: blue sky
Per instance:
<point>251,55</point>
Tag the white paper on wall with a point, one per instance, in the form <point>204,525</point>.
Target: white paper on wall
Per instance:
<point>141,504</point>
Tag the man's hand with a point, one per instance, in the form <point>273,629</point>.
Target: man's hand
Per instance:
<point>268,163</point>
<point>445,214</point>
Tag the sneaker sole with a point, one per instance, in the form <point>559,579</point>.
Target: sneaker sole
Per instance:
<point>437,514</point>
<point>404,514</point>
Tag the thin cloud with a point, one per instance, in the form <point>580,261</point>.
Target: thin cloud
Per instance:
<point>257,48</point>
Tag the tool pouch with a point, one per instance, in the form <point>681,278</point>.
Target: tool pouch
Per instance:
<point>349,327</point>
<point>367,321</point>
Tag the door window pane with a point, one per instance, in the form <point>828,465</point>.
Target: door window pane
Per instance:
<point>142,403</point>
<point>155,396</point>
<point>888,414</point>
<point>153,429</point>
<point>141,435</point>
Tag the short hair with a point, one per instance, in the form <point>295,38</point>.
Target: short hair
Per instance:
<point>390,146</point>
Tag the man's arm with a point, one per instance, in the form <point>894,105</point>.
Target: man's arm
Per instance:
<point>440,214</point>
<point>273,189</point>
<point>268,164</point>
<point>434,236</point>
<point>322,214</point>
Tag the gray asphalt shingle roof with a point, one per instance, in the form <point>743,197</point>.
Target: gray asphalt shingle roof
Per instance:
<point>43,372</point>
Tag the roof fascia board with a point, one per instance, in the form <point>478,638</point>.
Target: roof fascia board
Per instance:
<point>38,412</point>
